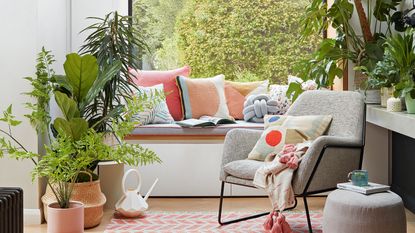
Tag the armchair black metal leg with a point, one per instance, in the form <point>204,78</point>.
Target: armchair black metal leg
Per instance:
<point>310,228</point>
<point>235,220</point>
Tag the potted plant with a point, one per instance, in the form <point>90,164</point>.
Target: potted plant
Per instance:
<point>330,59</point>
<point>402,51</point>
<point>75,143</point>
<point>112,41</point>
<point>383,76</point>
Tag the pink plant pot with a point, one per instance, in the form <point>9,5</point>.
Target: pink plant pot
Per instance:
<point>69,220</point>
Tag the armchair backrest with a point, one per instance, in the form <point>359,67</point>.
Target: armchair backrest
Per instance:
<point>346,108</point>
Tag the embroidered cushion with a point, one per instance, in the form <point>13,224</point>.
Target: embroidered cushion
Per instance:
<point>273,140</point>
<point>168,79</point>
<point>312,126</point>
<point>203,96</point>
<point>236,92</point>
<point>159,113</point>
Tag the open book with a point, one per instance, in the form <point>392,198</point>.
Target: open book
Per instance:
<point>369,189</point>
<point>205,121</point>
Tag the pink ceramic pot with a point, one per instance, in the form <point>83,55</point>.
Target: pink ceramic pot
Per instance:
<point>69,220</point>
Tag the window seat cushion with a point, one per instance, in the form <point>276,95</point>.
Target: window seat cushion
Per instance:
<point>171,130</point>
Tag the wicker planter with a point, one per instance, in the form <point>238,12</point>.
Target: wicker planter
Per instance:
<point>88,193</point>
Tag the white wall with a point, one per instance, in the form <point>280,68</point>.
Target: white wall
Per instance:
<point>82,9</point>
<point>27,26</point>
<point>17,60</point>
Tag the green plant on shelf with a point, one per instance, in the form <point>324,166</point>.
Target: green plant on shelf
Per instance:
<point>330,59</point>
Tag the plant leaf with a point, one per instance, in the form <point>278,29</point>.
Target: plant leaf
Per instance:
<point>67,105</point>
<point>62,81</point>
<point>103,78</point>
<point>75,128</point>
<point>81,73</point>
<point>9,118</point>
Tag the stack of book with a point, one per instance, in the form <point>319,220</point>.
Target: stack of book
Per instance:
<point>368,189</point>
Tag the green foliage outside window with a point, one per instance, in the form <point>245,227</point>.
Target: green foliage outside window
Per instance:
<point>238,38</point>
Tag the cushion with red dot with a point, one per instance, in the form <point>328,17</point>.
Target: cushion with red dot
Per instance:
<point>273,140</point>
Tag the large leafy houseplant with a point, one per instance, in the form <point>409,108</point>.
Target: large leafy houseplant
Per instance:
<point>112,39</point>
<point>330,59</point>
<point>76,142</point>
<point>402,55</point>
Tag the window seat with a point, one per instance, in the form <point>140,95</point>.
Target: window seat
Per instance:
<point>176,132</point>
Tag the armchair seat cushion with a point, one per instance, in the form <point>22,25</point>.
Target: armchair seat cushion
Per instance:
<point>244,169</point>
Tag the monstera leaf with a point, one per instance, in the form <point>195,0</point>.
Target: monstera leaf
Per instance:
<point>67,105</point>
<point>74,128</point>
<point>81,73</point>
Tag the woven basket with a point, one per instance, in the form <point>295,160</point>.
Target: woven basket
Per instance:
<point>89,193</point>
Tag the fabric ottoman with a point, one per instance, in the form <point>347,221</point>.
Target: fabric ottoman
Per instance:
<point>346,212</point>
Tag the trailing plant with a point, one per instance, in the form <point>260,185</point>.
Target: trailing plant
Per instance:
<point>384,74</point>
<point>112,39</point>
<point>77,143</point>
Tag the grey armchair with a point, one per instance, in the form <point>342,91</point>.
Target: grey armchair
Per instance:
<point>327,162</point>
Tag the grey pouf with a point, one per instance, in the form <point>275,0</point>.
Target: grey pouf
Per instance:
<point>347,212</point>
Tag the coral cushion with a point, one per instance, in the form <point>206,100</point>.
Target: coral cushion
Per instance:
<point>235,101</point>
<point>236,92</point>
<point>203,97</point>
<point>168,79</point>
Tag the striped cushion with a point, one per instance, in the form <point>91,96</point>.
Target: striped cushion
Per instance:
<point>158,114</point>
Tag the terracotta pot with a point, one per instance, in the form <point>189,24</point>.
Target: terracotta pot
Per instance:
<point>88,193</point>
<point>69,220</point>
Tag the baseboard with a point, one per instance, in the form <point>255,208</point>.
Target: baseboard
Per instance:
<point>32,216</point>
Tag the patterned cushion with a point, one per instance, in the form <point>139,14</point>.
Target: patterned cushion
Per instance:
<point>168,79</point>
<point>236,92</point>
<point>244,169</point>
<point>278,94</point>
<point>273,140</point>
<point>312,126</point>
<point>158,114</point>
<point>203,96</point>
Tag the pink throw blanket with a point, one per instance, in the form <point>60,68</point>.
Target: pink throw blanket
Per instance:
<point>275,177</point>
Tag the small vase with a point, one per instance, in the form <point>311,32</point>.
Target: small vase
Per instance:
<point>410,104</point>
<point>385,94</point>
<point>70,220</point>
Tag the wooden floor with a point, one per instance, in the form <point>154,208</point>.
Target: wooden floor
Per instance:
<point>211,205</point>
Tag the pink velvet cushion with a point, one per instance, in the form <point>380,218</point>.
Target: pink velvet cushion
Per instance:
<point>168,79</point>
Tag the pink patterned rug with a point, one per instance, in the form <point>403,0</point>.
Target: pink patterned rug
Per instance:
<point>206,222</point>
